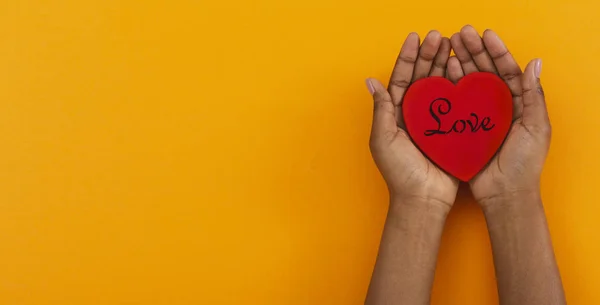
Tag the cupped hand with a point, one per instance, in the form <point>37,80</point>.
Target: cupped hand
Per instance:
<point>516,169</point>
<point>407,172</point>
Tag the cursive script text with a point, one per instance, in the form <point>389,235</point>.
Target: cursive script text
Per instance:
<point>442,106</point>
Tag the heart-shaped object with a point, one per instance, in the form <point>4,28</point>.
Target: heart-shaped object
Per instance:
<point>459,127</point>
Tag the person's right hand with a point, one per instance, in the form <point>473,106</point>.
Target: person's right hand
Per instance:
<point>516,169</point>
<point>410,176</point>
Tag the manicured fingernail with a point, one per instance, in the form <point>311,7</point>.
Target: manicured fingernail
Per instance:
<point>537,69</point>
<point>370,86</point>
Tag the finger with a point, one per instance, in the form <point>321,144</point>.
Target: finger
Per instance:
<point>403,70</point>
<point>474,45</point>
<point>384,112</point>
<point>455,72</point>
<point>535,114</point>
<point>427,52</point>
<point>463,55</point>
<point>507,67</point>
<point>441,58</point>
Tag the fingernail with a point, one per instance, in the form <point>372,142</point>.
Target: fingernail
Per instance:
<point>537,69</point>
<point>370,86</point>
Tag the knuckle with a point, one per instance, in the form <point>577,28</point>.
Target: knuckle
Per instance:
<point>440,64</point>
<point>407,58</point>
<point>401,83</point>
<point>539,89</point>
<point>380,102</point>
<point>377,103</point>
<point>509,76</point>
<point>517,95</point>
<point>427,55</point>
<point>527,91</point>
<point>464,58</point>
<point>500,55</point>
<point>379,97</point>
<point>478,50</point>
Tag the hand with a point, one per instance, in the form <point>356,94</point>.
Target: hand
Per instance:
<point>408,173</point>
<point>516,169</point>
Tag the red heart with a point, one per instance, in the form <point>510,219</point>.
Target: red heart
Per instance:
<point>460,127</point>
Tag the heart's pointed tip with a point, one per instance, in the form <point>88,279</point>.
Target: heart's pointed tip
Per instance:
<point>465,178</point>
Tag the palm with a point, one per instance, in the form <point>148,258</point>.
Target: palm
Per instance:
<point>508,163</point>
<point>520,160</point>
<point>416,170</point>
<point>405,169</point>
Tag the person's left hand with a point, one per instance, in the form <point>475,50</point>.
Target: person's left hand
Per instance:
<point>410,176</point>
<point>516,168</point>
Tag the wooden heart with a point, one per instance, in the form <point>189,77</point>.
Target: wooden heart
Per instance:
<point>459,127</point>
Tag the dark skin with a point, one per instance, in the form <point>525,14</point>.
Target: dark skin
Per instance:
<point>421,195</point>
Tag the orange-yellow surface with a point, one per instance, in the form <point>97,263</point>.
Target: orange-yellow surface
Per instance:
<point>215,152</point>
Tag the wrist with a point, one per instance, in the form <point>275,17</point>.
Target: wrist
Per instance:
<point>422,219</point>
<point>511,202</point>
<point>420,205</point>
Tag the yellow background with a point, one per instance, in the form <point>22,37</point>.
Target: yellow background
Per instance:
<point>215,152</point>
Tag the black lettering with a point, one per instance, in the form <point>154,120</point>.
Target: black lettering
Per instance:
<point>464,125</point>
<point>474,126</point>
<point>442,106</point>
<point>441,111</point>
<point>485,122</point>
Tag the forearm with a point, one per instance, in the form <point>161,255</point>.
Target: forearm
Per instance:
<point>526,268</point>
<point>406,262</point>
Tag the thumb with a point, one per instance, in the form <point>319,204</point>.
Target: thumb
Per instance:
<point>384,112</point>
<point>535,114</point>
